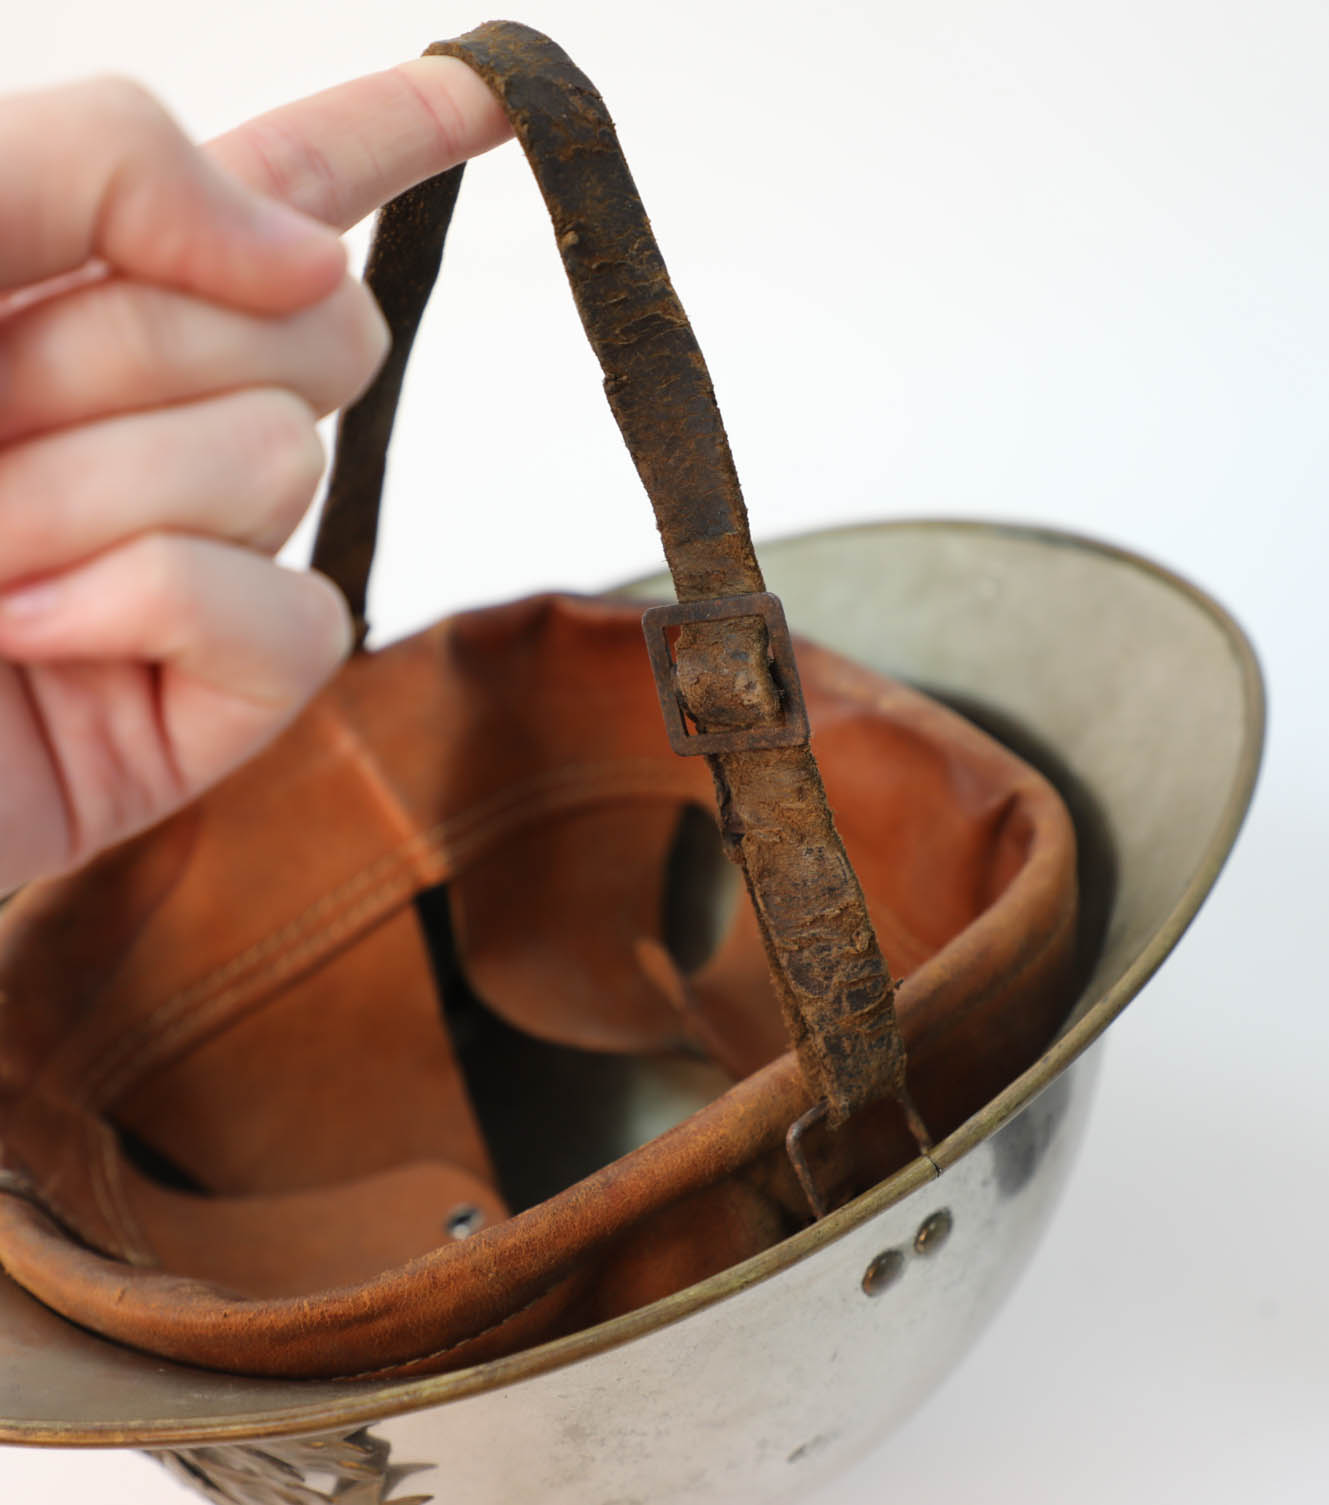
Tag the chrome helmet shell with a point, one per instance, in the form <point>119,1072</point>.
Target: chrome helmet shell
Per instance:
<point>1142,700</point>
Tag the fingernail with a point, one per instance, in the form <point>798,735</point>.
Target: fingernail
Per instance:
<point>30,600</point>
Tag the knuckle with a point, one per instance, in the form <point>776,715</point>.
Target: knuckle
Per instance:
<point>350,334</point>
<point>109,347</point>
<point>368,337</point>
<point>117,100</point>
<point>333,351</point>
<point>330,633</point>
<point>287,167</point>
<point>437,107</point>
<point>127,335</point>
<point>39,470</point>
<point>158,567</point>
<point>293,457</point>
<point>164,567</point>
<point>166,590</point>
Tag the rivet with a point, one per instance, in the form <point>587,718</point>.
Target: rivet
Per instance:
<point>934,1232</point>
<point>464,1220</point>
<point>883,1272</point>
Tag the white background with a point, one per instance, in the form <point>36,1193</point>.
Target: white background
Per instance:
<point>1032,259</point>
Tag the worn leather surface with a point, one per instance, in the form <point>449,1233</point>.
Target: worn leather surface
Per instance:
<point>246,991</point>
<point>836,991</point>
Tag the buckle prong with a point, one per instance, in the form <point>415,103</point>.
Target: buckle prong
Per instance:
<point>793,1143</point>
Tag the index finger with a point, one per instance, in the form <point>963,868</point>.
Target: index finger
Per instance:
<point>336,156</point>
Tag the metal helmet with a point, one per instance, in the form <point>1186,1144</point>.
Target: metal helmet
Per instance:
<point>777,1371</point>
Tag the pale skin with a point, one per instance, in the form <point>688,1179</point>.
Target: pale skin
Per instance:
<point>174,320</point>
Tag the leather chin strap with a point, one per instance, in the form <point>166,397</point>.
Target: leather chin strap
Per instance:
<point>728,682</point>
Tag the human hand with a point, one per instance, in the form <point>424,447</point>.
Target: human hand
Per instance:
<point>173,322</point>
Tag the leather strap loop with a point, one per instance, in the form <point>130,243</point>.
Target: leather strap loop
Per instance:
<point>403,264</point>
<point>837,992</point>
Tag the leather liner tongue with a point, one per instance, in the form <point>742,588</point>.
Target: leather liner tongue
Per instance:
<point>304,1242</point>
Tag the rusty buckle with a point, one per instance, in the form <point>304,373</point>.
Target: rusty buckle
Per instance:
<point>790,731</point>
<point>793,1144</point>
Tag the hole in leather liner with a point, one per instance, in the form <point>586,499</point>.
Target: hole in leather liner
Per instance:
<point>156,1165</point>
<point>551,1114</point>
<point>701,889</point>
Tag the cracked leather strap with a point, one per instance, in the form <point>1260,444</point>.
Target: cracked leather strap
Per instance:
<point>835,987</point>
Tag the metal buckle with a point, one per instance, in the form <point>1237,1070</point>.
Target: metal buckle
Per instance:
<point>793,1144</point>
<point>791,731</point>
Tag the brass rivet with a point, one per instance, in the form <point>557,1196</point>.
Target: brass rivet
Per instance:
<point>883,1272</point>
<point>933,1233</point>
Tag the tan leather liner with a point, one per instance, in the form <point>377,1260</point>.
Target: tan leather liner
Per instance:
<point>247,989</point>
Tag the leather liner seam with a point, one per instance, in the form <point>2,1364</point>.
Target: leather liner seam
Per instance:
<point>94,1155</point>
<point>138,1250</point>
<point>201,1014</point>
<point>406,1365</point>
<point>450,846</point>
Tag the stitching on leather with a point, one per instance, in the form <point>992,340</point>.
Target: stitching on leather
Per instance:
<point>134,1039</point>
<point>466,836</point>
<point>436,840</point>
<point>452,843</point>
<point>202,1014</point>
<point>374,779</point>
<point>593,778</point>
<point>408,1365</point>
